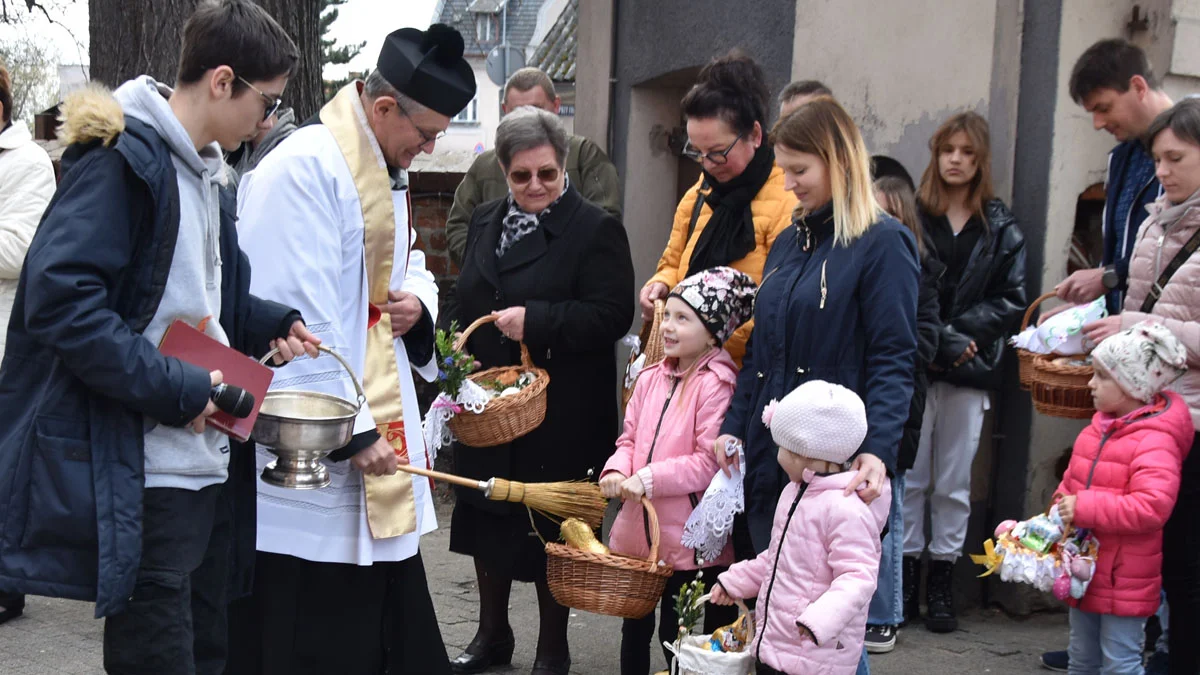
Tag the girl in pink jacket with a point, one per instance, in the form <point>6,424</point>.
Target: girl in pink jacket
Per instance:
<point>815,581</point>
<point>1121,484</point>
<point>665,452</point>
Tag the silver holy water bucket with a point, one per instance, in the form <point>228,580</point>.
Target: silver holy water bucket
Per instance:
<point>301,428</point>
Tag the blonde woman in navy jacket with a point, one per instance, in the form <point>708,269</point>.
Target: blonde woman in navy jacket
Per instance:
<point>838,302</point>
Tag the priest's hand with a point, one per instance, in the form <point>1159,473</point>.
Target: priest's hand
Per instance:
<point>377,459</point>
<point>511,322</point>
<point>405,310</point>
<point>298,341</point>
<point>210,408</point>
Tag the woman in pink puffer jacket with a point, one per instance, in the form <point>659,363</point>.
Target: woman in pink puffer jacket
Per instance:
<point>815,581</point>
<point>1174,141</point>
<point>665,452</point>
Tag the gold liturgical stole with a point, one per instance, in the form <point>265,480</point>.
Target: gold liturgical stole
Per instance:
<point>391,508</point>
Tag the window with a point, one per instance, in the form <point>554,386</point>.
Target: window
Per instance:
<point>483,27</point>
<point>469,114</point>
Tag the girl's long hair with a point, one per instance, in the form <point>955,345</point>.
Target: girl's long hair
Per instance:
<point>900,201</point>
<point>933,194</point>
<point>823,128</point>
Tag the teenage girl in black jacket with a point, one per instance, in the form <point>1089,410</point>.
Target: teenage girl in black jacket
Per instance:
<point>982,296</point>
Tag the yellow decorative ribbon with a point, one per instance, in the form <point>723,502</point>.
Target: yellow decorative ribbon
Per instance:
<point>990,558</point>
<point>391,508</point>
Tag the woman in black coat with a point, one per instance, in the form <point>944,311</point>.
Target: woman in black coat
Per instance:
<point>556,269</point>
<point>982,297</point>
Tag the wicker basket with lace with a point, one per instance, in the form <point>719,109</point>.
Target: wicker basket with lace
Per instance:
<point>506,418</point>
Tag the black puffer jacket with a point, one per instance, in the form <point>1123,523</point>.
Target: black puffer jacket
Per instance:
<point>929,330</point>
<point>986,304</point>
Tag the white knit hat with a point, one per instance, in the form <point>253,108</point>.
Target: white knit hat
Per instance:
<point>818,420</point>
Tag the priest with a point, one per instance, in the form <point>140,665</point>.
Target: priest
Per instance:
<point>327,222</point>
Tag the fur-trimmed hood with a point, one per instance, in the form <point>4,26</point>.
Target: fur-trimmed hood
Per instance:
<point>89,115</point>
<point>95,114</point>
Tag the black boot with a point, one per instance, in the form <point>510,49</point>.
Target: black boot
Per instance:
<point>939,597</point>
<point>912,585</point>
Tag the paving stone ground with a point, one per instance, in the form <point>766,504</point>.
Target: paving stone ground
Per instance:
<point>60,637</point>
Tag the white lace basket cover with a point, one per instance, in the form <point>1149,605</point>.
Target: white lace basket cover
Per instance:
<point>707,529</point>
<point>436,427</point>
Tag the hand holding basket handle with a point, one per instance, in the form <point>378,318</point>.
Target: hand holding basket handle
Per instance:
<point>507,418</point>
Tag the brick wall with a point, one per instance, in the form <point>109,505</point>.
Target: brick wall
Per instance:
<point>432,197</point>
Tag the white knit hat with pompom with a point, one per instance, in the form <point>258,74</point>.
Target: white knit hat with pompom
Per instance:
<point>818,420</point>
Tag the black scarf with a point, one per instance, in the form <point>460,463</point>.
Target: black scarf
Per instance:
<point>729,234</point>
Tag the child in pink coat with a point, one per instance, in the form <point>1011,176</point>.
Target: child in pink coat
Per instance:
<point>1121,484</point>
<point>815,581</point>
<point>665,453</point>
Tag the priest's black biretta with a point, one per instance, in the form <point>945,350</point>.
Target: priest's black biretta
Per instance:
<point>428,67</point>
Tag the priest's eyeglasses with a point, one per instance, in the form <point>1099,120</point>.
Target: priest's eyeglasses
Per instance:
<point>426,138</point>
<point>714,157</point>
<point>272,104</point>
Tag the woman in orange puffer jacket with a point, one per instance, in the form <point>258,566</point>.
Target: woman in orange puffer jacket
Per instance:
<point>733,214</point>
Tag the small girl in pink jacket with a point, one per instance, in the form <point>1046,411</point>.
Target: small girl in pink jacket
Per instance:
<point>1121,484</point>
<point>665,453</point>
<point>815,581</point>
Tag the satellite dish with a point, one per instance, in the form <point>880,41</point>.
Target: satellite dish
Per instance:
<point>499,72</point>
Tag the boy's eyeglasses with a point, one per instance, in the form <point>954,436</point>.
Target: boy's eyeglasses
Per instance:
<point>714,157</point>
<point>272,104</point>
<point>523,176</point>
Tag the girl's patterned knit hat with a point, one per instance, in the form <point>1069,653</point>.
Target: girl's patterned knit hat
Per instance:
<point>1143,360</point>
<point>818,420</point>
<point>722,297</point>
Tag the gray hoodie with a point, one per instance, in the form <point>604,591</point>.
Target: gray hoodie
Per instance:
<point>180,458</point>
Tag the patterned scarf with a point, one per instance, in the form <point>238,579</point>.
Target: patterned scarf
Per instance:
<point>518,223</point>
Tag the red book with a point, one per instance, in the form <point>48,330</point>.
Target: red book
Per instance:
<point>188,344</point>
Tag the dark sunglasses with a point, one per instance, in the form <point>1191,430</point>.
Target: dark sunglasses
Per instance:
<point>272,104</point>
<point>523,176</point>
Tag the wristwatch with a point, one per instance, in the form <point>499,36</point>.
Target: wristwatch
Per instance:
<point>1109,279</point>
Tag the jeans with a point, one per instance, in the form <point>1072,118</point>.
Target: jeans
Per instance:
<point>864,667</point>
<point>1103,644</point>
<point>1164,620</point>
<point>176,621</point>
<point>887,605</point>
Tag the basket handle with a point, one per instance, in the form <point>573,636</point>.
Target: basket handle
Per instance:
<point>1029,312</point>
<point>526,360</point>
<point>362,397</point>
<point>660,307</point>
<point>652,515</point>
<point>742,609</point>
<point>1053,500</point>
